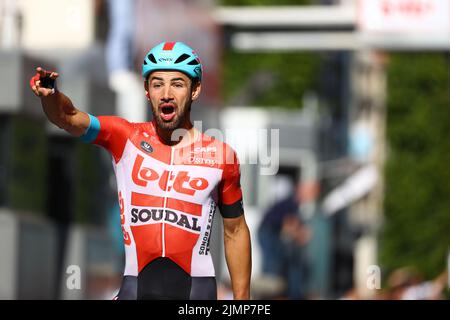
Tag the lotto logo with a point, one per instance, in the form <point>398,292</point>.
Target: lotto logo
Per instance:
<point>181,181</point>
<point>126,236</point>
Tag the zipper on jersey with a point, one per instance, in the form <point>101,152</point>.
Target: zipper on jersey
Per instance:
<point>163,225</point>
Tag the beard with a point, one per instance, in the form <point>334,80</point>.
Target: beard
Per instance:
<point>176,122</point>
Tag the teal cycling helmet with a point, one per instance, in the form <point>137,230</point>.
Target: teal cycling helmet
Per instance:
<point>172,56</point>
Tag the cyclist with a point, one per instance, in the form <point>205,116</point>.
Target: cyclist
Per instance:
<point>170,179</point>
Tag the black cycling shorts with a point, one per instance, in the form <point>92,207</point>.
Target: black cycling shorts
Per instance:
<point>163,279</point>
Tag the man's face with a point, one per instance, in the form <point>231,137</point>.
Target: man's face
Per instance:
<point>170,94</point>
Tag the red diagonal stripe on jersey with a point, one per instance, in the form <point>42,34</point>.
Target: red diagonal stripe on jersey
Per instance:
<point>145,200</point>
<point>184,206</point>
<point>169,45</point>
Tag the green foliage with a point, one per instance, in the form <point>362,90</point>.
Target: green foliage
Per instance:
<point>293,74</point>
<point>417,203</point>
<point>29,164</point>
<point>89,205</point>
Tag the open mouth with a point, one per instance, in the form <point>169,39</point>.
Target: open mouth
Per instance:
<point>167,112</point>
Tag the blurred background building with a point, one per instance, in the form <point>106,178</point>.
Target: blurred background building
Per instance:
<point>357,93</point>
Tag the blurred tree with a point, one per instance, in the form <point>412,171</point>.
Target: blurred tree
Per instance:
<point>417,203</point>
<point>92,178</point>
<point>26,160</point>
<point>268,79</point>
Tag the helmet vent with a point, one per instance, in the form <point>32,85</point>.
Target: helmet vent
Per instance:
<point>193,62</point>
<point>151,57</point>
<point>181,58</point>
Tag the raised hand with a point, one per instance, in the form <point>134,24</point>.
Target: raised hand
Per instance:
<point>43,82</point>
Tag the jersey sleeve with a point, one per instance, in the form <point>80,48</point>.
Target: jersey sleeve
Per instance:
<point>230,193</point>
<point>110,132</point>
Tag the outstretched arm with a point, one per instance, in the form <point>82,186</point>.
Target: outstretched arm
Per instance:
<point>58,107</point>
<point>238,255</point>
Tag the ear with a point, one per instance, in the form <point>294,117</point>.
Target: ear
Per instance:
<point>196,89</point>
<point>146,89</point>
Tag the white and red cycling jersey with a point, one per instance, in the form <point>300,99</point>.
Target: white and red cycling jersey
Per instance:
<point>168,195</point>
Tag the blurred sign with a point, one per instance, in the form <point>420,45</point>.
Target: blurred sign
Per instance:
<point>404,16</point>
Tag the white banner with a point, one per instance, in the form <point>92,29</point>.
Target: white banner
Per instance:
<point>404,16</point>
<point>354,188</point>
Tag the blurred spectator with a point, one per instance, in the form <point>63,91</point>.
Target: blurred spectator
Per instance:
<point>282,236</point>
<point>407,283</point>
